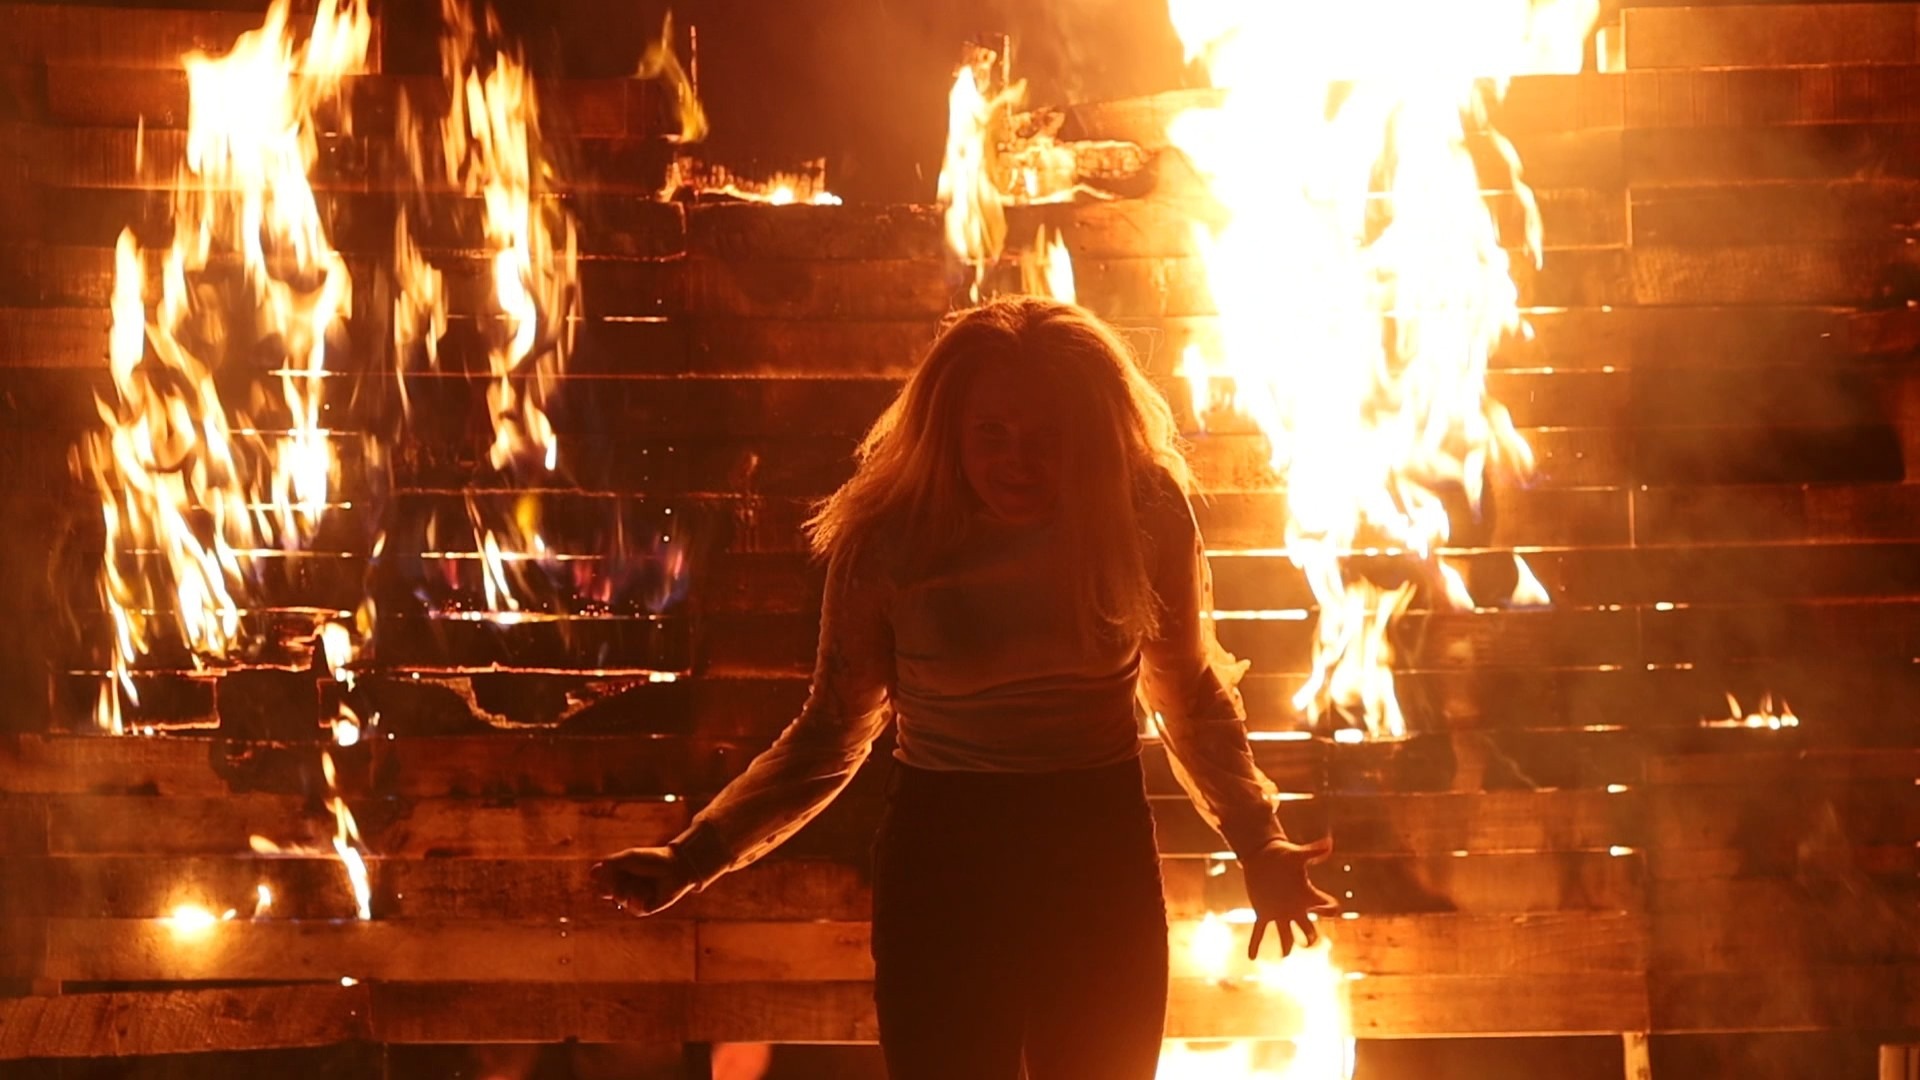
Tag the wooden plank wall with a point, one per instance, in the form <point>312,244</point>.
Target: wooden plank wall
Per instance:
<point>1718,390</point>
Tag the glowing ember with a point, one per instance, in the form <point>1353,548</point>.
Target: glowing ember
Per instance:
<point>194,490</point>
<point>1361,285</point>
<point>1767,716</point>
<point>193,921</point>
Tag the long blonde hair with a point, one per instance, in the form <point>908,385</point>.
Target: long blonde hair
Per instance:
<point>1121,447</point>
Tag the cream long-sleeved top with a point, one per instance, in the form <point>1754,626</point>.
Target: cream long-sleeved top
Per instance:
<point>989,667</point>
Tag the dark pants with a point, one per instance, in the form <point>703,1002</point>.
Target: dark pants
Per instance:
<point>1019,917</point>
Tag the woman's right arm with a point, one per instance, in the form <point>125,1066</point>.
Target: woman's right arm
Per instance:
<point>795,778</point>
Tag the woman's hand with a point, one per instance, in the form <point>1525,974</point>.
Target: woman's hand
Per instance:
<point>1278,887</point>
<point>643,880</point>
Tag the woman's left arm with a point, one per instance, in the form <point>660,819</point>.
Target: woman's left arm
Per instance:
<point>1202,721</point>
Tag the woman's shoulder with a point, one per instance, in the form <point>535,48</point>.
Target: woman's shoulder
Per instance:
<point>871,556</point>
<point>1163,505</point>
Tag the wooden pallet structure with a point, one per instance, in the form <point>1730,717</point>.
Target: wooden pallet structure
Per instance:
<point>1720,391</point>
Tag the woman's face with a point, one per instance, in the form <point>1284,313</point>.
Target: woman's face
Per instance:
<point>1010,444</point>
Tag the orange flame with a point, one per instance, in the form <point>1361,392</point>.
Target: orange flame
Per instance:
<point>659,61</point>
<point>1308,980</point>
<point>1769,715</point>
<point>193,487</point>
<point>1047,269</point>
<point>489,142</point>
<point>974,217</point>
<point>1362,285</point>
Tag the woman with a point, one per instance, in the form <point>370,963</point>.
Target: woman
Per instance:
<point>1012,563</point>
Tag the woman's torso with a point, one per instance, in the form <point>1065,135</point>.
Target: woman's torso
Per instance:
<point>998,667</point>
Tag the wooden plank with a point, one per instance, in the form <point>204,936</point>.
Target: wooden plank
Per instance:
<point>1485,884</point>
<point>1762,97</point>
<point>181,1021</point>
<point>536,828</point>
<point>780,346</point>
<point>1786,212</point>
<point>1400,1006</point>
<point>1777,925</point>
<point>1382,1006</point>
<point>1427,945</point>
<point>528,1013</point>
<point>1707,574</point>
<point>745,232</point>
<point>1840,273</point>
<point>359,224</point>
<point>546,828</point>
<point>426,890</point>
<point>1767,514</point>
<point>1441,640</point>
<point>1481,824</point>
<point>1521,518</point>
<point>1769,36</point>
<point>1834,694</point>
<point>1823,998</point>
<point>468,949</point>
<point>782,1012</point>
<point>1737,155</point>
<point>1808,765</point>
<point>141,160</point>
<point>1813,822</point>
<point>115,95</point>
<point>62,35</point>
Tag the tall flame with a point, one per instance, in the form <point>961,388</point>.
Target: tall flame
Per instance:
<point>974,216</point>
<point>490,149</point>
<point>1362,285</point>
<point>194,487</point>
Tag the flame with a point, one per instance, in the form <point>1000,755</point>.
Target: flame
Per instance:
<point>974,216</point>
<point>1047,268</point>
<point>489,143</point>
<point>1527,590</point>
<point>336,647</point>
<point>806,187</point>
<point>262,901</point>
<point>191,921</point>
<point>195,488</point>
<point>1309,979</point>
<point>1766,716</point>
<point>1361,282</point>
<point>346,841</point>
<point>658,61</point>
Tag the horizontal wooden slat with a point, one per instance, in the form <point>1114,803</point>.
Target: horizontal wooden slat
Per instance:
<point>73,35</point>
<point>1382,1006</point>
<point>789,888</point>
<point>1429,945</point>
<point>1769,35</point>
<point>480,950</point>
<point>1870,996</point>
<point>550,828</point>
<point>180,1021</point>
<point>107,93</point>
